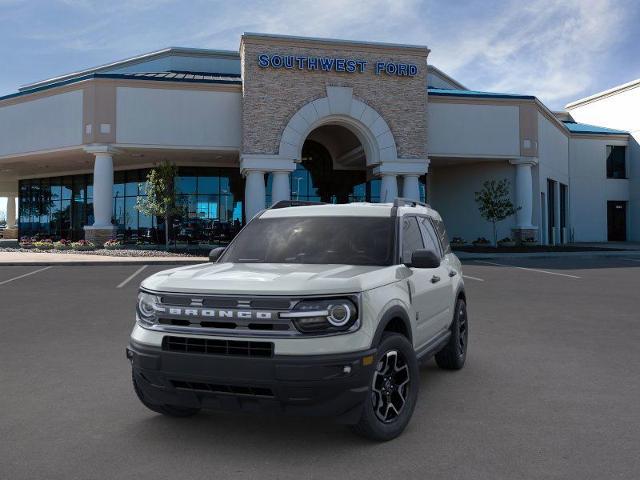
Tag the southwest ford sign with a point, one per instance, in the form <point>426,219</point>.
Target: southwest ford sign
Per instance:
<point>334,64</point>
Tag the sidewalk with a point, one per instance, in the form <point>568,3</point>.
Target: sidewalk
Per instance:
<point>34,259</point>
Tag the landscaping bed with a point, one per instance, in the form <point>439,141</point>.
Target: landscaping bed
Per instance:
<point>110,252</point>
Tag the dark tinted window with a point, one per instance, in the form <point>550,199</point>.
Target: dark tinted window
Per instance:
<point>616,162</point>
<point>315,240</point>
<point>430,238</point>
<point>442,234</point>
<point>411,238</point>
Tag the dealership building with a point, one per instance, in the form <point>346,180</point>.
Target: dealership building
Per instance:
<point>309,119</point>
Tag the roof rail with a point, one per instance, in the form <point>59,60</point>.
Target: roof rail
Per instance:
<point>408,202</point>
<point>294,203</point>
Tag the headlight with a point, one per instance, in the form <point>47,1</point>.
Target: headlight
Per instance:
<point>147,307</point>
<point>324,316</point>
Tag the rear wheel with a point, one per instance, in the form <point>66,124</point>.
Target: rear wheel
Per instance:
<point>454,354</point>
<point>393,392</point>
<point>169,410</point>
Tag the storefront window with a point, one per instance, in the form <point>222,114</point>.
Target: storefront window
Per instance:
<point>211,199</point>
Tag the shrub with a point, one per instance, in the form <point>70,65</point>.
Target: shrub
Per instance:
<point>481,241</point>
<point>26,242</point>
<point>43,244</point>
<point>112,244</point>
<point>458,241</point>
<point>62,245</point>
<point>83,245</point>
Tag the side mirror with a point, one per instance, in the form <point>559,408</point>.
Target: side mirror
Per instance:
<point>424,259</point>
<point>214,254</point>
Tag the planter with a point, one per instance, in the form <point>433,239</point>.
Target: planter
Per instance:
<point>507,244</point>
<point>458,245</point>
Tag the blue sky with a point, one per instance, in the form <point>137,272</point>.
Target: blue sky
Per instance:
<point>556,50</point>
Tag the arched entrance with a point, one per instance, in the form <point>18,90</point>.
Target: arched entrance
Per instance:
<point>333,168</point>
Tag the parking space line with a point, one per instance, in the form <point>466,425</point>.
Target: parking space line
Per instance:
<point>25,275</point>
<point>473,278</point>
<point>132,276</point>
<point>528,269</point>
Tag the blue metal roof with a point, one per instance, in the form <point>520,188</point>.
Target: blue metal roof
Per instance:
<point>444,92</point>
<point>575,127</point>
<point>188,77</point>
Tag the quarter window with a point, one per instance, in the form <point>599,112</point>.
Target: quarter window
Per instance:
<point>616,164</point>
<point>411,238</point>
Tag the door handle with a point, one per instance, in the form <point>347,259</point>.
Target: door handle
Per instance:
<point>435,279</point>
<point>452,273</point>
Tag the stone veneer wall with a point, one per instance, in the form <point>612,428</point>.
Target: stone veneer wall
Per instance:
<point>272,96</point>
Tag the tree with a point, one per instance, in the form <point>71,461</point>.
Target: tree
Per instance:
<point>494,203</point>
<point>160,199</point>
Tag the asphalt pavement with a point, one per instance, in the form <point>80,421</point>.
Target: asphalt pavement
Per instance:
<point>550,389</point>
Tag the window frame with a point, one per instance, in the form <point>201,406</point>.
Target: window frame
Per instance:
<point>625,175</point>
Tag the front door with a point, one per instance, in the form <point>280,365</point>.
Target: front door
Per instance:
<point>617,221</point>
<point>430,287</point>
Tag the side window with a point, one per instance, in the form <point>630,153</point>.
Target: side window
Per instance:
<point>411,238</point>
<point>442,234</point>
<point>430,238</point>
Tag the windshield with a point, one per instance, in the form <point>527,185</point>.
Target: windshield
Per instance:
<point>342,240</point>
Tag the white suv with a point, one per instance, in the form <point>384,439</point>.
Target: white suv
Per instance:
<point>313,309</point>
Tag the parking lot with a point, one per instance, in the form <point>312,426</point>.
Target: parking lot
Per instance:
<point>551,388</point>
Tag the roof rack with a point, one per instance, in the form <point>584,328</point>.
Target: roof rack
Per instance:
<point>294,203</point>
<point>408,202</point>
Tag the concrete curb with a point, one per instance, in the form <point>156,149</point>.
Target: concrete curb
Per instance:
<point>594,254</point>
<point>90,263</point>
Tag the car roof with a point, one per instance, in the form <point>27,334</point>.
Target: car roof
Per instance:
<point>357,209</point>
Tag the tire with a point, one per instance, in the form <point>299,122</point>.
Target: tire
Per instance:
<point>169,410</point>
<point>391,389</point>
<point>454,354</point>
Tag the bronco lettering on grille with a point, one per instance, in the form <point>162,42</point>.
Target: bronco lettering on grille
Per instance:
<point>214,313</point>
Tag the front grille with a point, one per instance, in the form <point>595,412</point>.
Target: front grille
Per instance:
<point>228,389</point>
<point>217,347</point>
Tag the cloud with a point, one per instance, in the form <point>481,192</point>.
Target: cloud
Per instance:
<point>557,50</point>
<point>544,47</point>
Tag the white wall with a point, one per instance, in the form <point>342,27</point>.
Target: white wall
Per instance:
<point>452,193</point>
<point>589,189</point>
<point>620,111</point>
<point>465,129</point>
<point>553,163</point>
<point>42,124</point>
<point>190,118</point>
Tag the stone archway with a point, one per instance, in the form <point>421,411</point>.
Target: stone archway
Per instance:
<point>339,107</point>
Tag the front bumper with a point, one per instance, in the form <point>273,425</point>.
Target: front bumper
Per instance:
<point>316,385</point>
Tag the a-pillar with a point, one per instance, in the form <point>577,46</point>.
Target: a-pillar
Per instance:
<point>524,228</point>
<point>102,228</point>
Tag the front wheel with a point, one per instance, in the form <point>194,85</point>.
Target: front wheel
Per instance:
<point>393,392</point>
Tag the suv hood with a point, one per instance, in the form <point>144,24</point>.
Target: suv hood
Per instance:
<point>271,279</point>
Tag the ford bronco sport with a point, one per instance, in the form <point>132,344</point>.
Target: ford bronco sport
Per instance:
<point>312,309</point>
